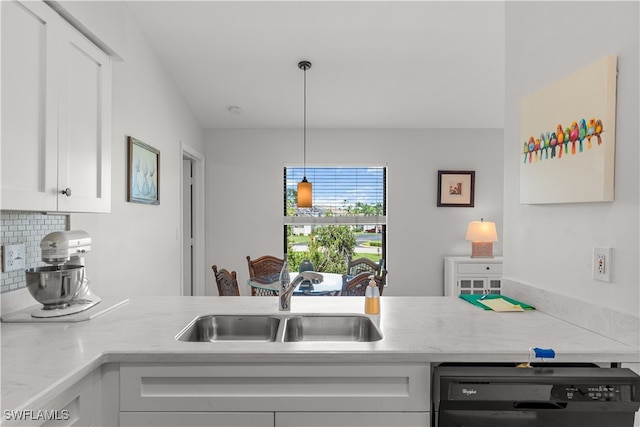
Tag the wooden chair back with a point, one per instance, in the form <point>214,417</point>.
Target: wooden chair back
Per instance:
<point>227,282</point>
<point>264,266</point>
<point>357,285</point>
<point>362,265</point>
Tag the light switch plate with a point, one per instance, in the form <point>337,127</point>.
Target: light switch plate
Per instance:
<point>13,257</point>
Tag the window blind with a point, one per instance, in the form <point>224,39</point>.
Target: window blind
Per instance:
<point>340,195</point>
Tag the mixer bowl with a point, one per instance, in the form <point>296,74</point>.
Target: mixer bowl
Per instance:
<point>55,286</point>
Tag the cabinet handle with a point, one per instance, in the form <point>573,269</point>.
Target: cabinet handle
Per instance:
<point>66,192</point>
<point>488,268</point>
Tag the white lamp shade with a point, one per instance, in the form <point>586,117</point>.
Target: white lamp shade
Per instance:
<point>482,231</point>
<point>305,194</point>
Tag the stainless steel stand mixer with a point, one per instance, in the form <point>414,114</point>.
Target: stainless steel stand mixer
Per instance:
<point>62,287</point>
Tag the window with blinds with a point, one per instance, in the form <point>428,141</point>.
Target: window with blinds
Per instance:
<point>346,195</point>
<point>348,217</point>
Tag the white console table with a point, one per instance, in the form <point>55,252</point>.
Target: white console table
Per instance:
<point>466,275</point>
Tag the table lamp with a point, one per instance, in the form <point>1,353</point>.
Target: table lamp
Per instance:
<point>482,234</point>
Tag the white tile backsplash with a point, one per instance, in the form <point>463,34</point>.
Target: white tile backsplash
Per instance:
<point>28,228</point>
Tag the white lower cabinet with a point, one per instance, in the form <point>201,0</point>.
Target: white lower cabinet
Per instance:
<point>275,394</point>
<point>472,276</point>
<point>278,419</point>
<point>190,419</point>
<point>352,419</point>
<point>78,405</point>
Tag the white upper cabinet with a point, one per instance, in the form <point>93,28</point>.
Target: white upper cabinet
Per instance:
<point>29,110</point>
<point>84,125</point>
<point>56,114</point>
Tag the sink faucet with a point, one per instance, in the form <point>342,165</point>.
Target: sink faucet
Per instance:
<point>287,287</point>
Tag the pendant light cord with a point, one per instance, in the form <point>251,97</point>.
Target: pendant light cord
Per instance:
<point>304,137</point>
<point>305,193</point>
<point>304,66</point>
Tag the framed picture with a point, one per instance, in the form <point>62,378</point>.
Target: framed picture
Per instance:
<point>568,137</point>
<point>456,188</point>
<point>143,173</point>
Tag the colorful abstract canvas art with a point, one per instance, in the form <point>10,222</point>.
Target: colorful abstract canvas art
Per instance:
<point>568,138</point>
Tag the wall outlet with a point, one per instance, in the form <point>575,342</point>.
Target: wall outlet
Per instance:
<point>13,257</point>
<point>602,264</point>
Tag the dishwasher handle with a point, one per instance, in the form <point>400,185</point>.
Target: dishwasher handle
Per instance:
<point>538,404</point>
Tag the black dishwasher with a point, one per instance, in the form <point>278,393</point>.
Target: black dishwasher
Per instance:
<point>544,395</point>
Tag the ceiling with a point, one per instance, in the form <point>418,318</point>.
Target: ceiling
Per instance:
<point>375,64</point>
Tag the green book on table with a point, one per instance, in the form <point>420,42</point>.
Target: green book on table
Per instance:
<point>476,300</point>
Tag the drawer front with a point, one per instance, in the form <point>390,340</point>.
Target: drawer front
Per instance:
<point>186,419</point>
<point>480,268</point>
<point>353,419</point>
<point>275,387</point>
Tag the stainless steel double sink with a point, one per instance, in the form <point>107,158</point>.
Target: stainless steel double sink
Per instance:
<point>285,328</point>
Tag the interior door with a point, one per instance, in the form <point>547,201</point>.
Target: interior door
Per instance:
<point>187,227</point>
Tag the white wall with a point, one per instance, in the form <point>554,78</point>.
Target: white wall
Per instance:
<point>104,22</point>
<point>136,248</point>
<point>550,247</point>
<point>245,197</point>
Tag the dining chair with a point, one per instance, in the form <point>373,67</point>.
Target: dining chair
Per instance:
<point>357,285</point>
<point>227,282</point>
<point>264,266</point>
<point>361,265</point>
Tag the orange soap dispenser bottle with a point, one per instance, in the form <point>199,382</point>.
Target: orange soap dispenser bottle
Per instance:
<point>372,298</point>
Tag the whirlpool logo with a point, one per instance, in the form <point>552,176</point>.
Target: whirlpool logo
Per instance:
<point>469,391</point>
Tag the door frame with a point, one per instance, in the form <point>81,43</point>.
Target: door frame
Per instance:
<point>198,219</point>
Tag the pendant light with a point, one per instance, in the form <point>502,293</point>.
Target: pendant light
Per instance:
<point>304,187</point>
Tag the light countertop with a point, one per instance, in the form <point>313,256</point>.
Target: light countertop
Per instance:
<point>38,359</point>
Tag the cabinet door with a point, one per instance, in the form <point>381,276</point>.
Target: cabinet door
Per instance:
<point>479,285</point>
<point>352,419</point>
<point>213,419</point>
<point>274,387</point>
<point>471,285</point>
<point>29,118</point>
<point>494,285</point>
<point>77,406</point>
<point>84,125</point>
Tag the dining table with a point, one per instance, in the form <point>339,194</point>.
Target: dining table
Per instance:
<point>331,284</point>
